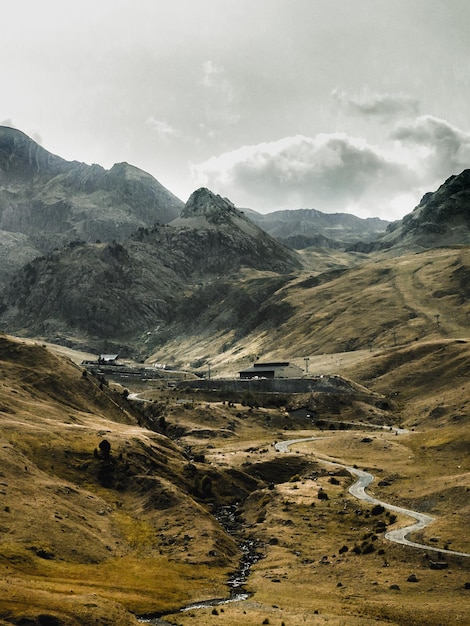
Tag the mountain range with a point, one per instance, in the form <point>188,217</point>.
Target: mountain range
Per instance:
<point>302,228</point>
<point>135,270</point>
<point>47,202</point>
<point>143,497</point>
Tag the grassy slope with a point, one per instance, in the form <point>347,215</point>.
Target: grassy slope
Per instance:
<point>128,538</point>
<point>73,523</point>
<point>427,387</point>
<point>378,303</point>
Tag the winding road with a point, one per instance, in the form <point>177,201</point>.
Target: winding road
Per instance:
<point>357,490</point>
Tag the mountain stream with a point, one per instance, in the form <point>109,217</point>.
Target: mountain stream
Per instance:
<point>249,547</point>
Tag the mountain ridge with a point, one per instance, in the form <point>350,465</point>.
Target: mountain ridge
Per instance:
<point>442,217</point>
<point>52,201</point>
<point>143,280</point>
<point>302,228</point>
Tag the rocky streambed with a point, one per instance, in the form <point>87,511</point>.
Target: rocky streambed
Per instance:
<point>228,517</point>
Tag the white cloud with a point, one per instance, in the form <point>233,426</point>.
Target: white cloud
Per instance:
<point>8,123</point>
<point>329,171</point>
<point>163,129</point>
<point>339,173</point>
<point>380,105</point>
<point>444,149</point>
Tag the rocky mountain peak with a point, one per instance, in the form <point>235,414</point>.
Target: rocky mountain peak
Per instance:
<point>205,203</point>
<point>442,218</point>
<point>21,157</point>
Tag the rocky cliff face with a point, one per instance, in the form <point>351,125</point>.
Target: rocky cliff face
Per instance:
<point>52,201</point>
<point>122,292</point>
<point>223,239</point>
<point>441,218</point>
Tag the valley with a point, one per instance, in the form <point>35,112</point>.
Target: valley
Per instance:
<point>134,492</point>
<point>324,558</point>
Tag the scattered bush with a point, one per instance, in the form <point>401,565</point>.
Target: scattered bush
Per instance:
<point>367,548</point>
<point>378,510</point>
<point>105,448</point>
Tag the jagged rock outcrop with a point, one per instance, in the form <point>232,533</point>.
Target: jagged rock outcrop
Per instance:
<point>442,218</point>
<point>123,291</point>
<point>52,201</point>
<point>222,239</point>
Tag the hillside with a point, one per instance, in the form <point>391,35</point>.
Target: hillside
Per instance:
<point>92,534</point>
<point>145,282</point>
<point>47,202</point>
<point>376,304</point>
<point>89,528</point>
<point>442,218</point>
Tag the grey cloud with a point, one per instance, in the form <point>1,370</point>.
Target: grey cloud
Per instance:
<point>382,105</point>
<point>36,137</point>
<point>447,148</point>
<point>328,172</point>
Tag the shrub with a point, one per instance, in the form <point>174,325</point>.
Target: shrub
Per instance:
<point>378,510</point>
<point>105,448</point>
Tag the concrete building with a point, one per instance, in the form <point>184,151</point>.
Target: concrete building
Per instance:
<point>278,369</point>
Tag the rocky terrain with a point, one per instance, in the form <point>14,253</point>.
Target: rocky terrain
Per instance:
<point>119,501</point>
<point>47,202</point>
<point>121,292</point>
<point>441,218</point>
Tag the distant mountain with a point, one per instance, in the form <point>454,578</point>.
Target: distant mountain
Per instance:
<point>118,291</point>
<point>225,239</point>
<point>441,218</point>
<point>46,201</point>
<point>303,228</point>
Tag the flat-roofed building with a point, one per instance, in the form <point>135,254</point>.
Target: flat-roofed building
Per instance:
<point>277,369</point>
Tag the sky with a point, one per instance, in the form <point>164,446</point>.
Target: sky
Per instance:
<point>356,106</point>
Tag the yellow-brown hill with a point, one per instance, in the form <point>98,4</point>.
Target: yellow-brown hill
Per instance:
<point>89,530</point>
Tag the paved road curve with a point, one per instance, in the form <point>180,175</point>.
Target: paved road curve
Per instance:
<point>399,535</point>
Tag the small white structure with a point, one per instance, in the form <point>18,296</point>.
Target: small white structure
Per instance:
<point>108,359</point>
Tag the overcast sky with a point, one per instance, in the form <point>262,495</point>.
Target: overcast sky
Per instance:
<point>356,106</point>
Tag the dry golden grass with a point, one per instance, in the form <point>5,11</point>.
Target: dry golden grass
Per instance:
<point>143,543</point>
<point>306,578</point>
<point>72,547</point>
<point>374,304</point>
